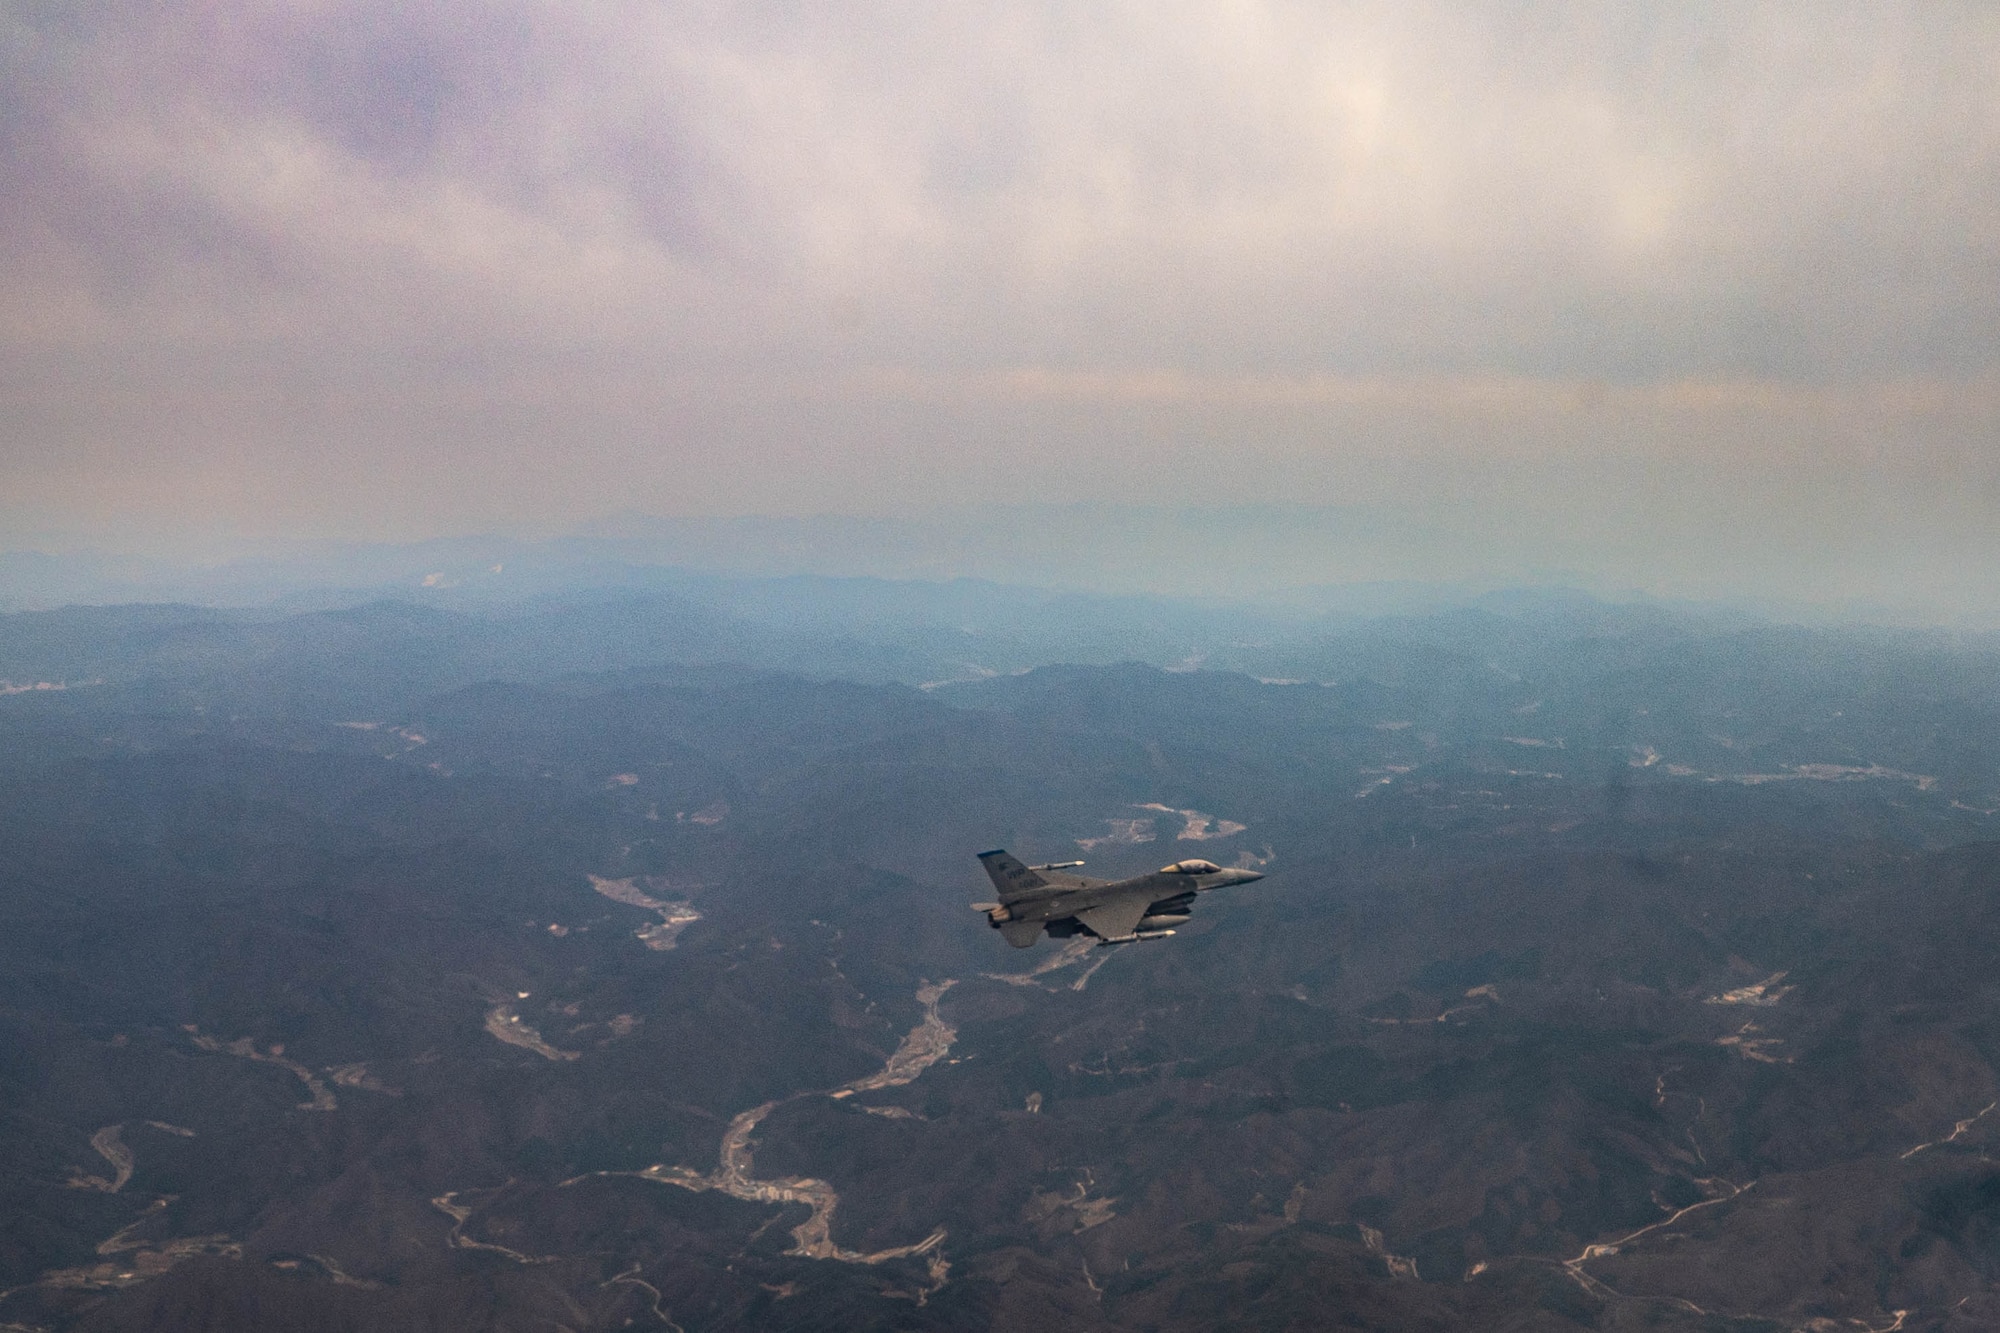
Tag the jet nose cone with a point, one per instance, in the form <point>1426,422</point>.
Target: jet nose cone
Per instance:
<point>1247,877</point>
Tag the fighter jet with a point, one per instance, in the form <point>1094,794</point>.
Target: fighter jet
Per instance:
<point>1038,898</point>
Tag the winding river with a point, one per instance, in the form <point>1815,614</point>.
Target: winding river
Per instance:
<point>922,1047</point>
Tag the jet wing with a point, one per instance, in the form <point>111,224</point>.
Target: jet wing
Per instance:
<point>1117,918</point>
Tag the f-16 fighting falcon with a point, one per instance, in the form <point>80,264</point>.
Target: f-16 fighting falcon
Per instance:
<point>1038,898</point>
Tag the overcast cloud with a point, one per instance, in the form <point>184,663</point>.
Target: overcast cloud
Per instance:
<point>1639,277</point>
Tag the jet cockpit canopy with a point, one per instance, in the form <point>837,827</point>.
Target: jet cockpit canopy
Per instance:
<point>1195,866</point>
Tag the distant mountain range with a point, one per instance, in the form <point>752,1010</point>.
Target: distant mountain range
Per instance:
<point>1277,560</point>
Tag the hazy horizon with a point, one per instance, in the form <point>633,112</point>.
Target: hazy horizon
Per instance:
<point>1284,561</point>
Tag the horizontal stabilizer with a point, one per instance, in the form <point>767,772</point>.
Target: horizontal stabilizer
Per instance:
<point>1021,934</point>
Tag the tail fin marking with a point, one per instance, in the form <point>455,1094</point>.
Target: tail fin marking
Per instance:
<point>1013,880</point>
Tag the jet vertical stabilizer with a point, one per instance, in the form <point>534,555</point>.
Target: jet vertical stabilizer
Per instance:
<point>1014,880</point>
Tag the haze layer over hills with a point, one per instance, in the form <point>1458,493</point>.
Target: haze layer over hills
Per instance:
<point>594,959</point>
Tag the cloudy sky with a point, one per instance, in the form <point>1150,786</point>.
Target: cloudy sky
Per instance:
<point>1664,290</point>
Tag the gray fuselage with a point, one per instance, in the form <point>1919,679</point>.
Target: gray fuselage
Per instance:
<point>1034,899</point>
